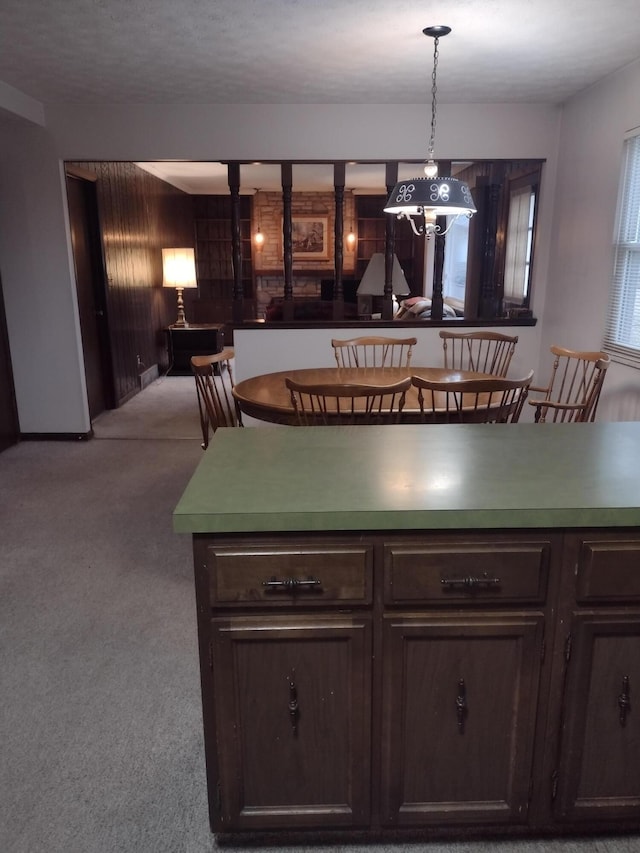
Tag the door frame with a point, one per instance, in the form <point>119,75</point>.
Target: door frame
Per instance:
<point>98,278</point>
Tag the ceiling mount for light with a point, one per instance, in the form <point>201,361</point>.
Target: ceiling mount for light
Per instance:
<point>422,200</point>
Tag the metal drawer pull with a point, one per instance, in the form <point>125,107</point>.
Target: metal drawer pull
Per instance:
<point>461,705</point>
<point>624,700</point>
<point>470,582</point>
<point>294,710</point>
<point>291,584</point>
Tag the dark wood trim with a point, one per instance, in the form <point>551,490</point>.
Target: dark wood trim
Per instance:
<point>75,171</point>
<point>338,251</point>
<point>56,436</point>
<point>501,323</point>
<point>233,170</point>
<point>286,171</point>
<point>391,178</point>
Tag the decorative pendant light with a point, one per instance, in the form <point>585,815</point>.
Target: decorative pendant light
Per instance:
<point>421,200</point>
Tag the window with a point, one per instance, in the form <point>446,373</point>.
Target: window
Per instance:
<point>517,264</point>
<point>622,332</point>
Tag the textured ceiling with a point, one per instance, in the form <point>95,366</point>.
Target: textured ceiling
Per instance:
<point>310,51</point>
<point>307,51</point>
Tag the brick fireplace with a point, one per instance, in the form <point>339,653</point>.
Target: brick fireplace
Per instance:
<point>307,274</point>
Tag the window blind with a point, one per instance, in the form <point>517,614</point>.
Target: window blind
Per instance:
<point>622,330</point>
<point>518,251</point>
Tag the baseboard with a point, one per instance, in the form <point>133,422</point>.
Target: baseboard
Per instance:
<point>56,436</point>
<point>148,376</point>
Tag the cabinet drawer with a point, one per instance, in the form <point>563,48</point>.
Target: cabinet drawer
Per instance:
<point>609,570</point>
<point>466,573</point>
<point>303,575</point>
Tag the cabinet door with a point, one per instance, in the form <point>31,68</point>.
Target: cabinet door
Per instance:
<point>598,775</point>
<point>292,715</point>
<point>458,727</point>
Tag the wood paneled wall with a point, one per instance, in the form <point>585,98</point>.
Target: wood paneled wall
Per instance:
<point>139,216</point>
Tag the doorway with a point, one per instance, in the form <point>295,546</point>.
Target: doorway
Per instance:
<point>91,291</point>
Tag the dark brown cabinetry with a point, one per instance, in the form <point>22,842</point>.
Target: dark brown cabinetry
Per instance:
<point>372,238</point>
<point>461,686</point>
<point>195,339</point>
<point>214,247</point>
<point>598,775</point>
<point>461,694</point>
<point>287,681</point>
<point>292,709</point>
<point>395,681</point>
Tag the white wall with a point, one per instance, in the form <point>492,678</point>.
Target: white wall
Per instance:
<point>302,131</point>
<point>36,265</point>
<point>261,351</point>
<point>581,262</point>
<point>34,252</point>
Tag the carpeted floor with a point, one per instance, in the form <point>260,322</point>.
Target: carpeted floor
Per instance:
<point>167,408</point>
<point>101,730</point>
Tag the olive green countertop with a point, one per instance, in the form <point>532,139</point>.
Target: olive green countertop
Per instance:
<point>412,477</point>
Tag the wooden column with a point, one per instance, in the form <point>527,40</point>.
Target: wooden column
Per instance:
<point>286,171</point>
<point>233,172</point>
<point>391,178</point>
<point>339,172</point>
<point>489,298</point>
<point>437,304</point>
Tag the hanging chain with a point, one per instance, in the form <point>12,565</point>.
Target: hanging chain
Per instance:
<point>434,89</point>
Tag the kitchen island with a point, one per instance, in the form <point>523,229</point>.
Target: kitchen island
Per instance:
<point>428,629</point>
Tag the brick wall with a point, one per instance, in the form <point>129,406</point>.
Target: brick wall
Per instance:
<point>267,213</point>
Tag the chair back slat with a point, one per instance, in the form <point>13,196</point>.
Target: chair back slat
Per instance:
<point>334,404</point>
<point>482,352</point>
<point>374,352</point>
<point>490,400</point>
<point>214,387</point>
<point>574,388</point>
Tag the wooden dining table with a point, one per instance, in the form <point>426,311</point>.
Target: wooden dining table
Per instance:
<point>267,398</point>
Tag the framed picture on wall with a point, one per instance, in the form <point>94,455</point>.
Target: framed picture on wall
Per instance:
<point>310,237</point>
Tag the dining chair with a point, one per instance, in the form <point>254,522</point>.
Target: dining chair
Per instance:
<point>214,387</point>
<point>483,352</point>
<point>488,400</point>
<point>573,391</point>
<point>374,352</point>
<point>333,403</point>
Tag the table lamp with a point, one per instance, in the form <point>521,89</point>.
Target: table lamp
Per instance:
<point>179,271</point>
<point>372,282</point>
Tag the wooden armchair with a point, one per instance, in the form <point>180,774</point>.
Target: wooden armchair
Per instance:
<point>214,387</point>
<point>374,352</point>
<point>484,352</point>
<point>490,400</point>
<point>337,404</point>
<point>574,388</point>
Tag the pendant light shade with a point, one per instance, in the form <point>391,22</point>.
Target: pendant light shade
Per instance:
<point>422,200</point>
<point>426,198</point>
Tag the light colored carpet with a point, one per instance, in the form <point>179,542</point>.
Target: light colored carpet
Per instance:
<point>167,408</point>
<point>100,718</point>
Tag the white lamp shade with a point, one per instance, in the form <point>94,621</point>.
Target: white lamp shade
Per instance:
<point>179,268</point>
<point>372,283</point>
